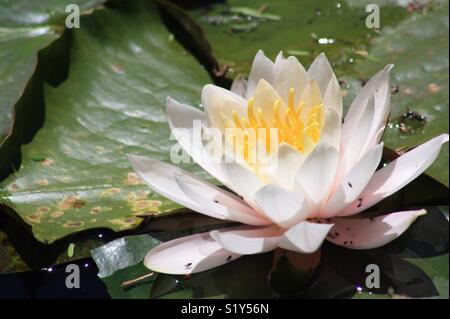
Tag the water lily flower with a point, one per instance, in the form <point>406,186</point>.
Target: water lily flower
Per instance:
<point>328,168</point>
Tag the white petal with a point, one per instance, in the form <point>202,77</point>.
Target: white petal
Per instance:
<point>239,86</point>
<point>241,180</point>
<point>397,174</point>
<point>265,98</point>
<point>358,105</point>
<point>160,177</point>
<point>331,130</point>
<point>311,97</point>
<point>218,101</point>
<point>354,146</point>
<point>283,164</point>
<point>283,207</point>
<point>305,237</point>
<point>332,98</point>
<point>248,241</point>
<point>223,203</point>
<point>187,255</point>
<point>181,119</point>
<point>262,68</point>
<point>354,183</point>
<point>368,233</point>
<point>290,74</point>
<point>321,71</point>
<point>317,172</point>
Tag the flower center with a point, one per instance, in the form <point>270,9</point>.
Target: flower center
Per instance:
<point>298,127</point>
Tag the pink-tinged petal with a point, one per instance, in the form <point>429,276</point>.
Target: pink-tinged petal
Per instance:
<point>160,177</point>
<point>262,68</point>
<point>223,203</point>
<point>181,119</point>
<point>218,102</point>
<point>305,237</point>
<point>316,175</point>
<point>239,86</point>
<point>397,174</point>
<point>368,233</point>
<point>353,183</point>
<point>349,128</point>
<point>241,180</point>
<point>187,255</point>
<point>248,241</point>
<point>283,207</point>
<point>290,74</point>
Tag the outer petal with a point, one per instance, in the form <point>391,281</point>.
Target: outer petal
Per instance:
<point>161,177</point>
<point>290,74</point>
<point>187,255</point>
<point>317,172</point>
<point>218,101</point>
<point>181,120</point>
<point>358,105</point>
<point>283,207</point>
<point>239,86</point>
<point>397,174</point>
<point>353,183</point>
<point>222,204</point>
<point>368,233</point>
<point>248,241</point>
<point>262,68</point>
<point>305,237</point>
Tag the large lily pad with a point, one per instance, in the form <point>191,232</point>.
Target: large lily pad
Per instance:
<point>26,27</point>
<point>305,29</point>
<point>75,174</point>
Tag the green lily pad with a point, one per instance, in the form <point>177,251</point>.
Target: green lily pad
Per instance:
<point>123,66</point>
<point>309,27</point>
<point>26,27</point>
<point>121,253</point>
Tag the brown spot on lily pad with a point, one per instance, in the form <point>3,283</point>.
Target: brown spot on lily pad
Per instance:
<point>110,192</point>
<point>47,162</point>
<point>35,218</point>
<point>96,210</point>
<point>43,209</point>
<point>125,223</point>
<point>70,202</point>
<point>146,205</point>
<point>433,88</point>
<point>73,224</point>
<point>57,213</point>
<point>13,187</point>
<point>132,179</point>
<point>42,182</point>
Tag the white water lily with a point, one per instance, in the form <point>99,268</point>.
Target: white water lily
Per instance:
<point>326,172</point>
